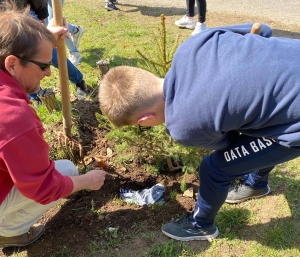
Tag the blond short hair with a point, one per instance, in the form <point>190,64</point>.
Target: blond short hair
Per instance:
<point>20,34</point>
<point>125,92</point>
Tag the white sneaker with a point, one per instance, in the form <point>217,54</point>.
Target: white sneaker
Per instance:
<point>185,22</point>
<point>199,28</point>
<point>77,36</point>
<point>75,58</point>
<point>111,7</point>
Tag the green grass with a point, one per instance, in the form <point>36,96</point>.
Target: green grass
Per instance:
<point>264,227</point>
<point>171,248</point>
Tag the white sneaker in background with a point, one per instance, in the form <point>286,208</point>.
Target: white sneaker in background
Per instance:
<point>185,22</point>
<point>199,28</point>
<point>75,58</point>
<point>111,7</point>
<point>77,36</point>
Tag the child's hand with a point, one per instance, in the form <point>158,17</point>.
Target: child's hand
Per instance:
<point>61,31</point>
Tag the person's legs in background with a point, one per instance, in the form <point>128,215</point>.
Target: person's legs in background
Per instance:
<point>187,21</point>
<point>72,44</point>
<point>110,5</point>
<point>200,25</point>
<point>75,76</point>
<point>35,99</point>
<point>76,33</point>
<point>217,171</point>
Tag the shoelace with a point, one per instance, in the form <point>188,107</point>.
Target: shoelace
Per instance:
<point>239,186</point>
<point>183,219</point>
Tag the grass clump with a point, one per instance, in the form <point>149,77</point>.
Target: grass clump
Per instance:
<point>170,249</point>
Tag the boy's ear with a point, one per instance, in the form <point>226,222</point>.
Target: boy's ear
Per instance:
<point>146,117</point>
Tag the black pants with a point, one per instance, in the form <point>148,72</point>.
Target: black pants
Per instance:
<point>201,8</point>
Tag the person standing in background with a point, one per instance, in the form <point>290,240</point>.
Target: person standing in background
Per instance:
<point>187,21</point>
<point>75,76</point>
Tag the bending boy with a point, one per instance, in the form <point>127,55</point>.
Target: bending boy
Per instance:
<point>227,90</point>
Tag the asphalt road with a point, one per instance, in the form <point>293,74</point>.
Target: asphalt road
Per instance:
<point>285,11</point>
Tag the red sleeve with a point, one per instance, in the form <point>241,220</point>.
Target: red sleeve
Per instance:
<point>33,174</point>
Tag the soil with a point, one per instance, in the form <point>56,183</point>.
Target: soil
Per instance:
<point>76,221</point>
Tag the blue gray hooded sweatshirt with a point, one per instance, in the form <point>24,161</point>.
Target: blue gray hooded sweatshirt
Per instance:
<point>226,80</point>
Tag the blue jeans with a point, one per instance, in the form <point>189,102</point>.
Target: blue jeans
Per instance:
<point>74,74</point>
<point>72,29</point>
<point>247,156</point>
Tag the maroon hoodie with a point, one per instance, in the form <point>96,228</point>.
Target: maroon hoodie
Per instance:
<point>24,154</point>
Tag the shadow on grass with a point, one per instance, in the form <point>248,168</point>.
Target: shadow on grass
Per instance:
<point>95,54</point>
<point>287,34</point>
<point>154,11</point>
<point>279,233</point>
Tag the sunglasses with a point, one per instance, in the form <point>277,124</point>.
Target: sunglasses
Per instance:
<point>42,65</point>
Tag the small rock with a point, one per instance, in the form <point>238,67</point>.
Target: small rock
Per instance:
<point>89,216</point>
<point>88,160</point>
<point>189,192</point>
<point>109,152</point>
<point>123,169</point>
<point>107,217</point>
<point>111,229</point>
<point>101,217</point>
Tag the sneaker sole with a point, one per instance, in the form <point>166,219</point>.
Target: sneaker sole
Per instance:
<point>186,26</point>
<point>193,238</point>
<point>248,198</point>
<point>111,9</point>
<point>21,245</point>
